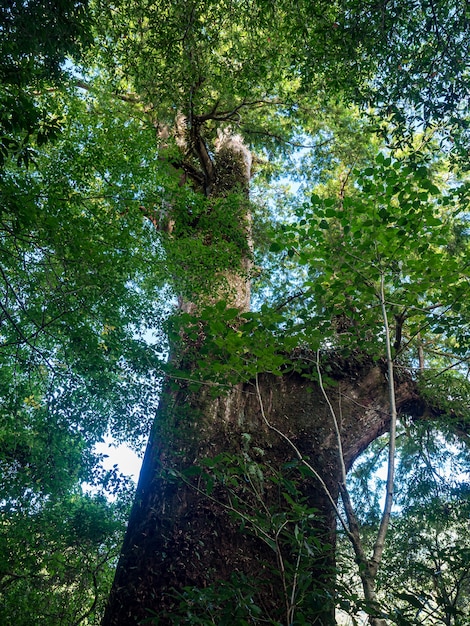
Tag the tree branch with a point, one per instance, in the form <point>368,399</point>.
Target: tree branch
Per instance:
<point>227,115</point>
<point>384,523</point>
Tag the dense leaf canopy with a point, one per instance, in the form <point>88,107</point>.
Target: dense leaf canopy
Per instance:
<point>111,115</point>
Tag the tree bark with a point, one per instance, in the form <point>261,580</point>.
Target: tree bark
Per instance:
<point>180,536</point>
<point>215,530</point>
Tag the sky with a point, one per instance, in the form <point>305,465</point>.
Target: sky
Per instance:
<point>127,460</point>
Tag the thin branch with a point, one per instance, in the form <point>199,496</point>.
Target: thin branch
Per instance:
<point>384,523</point>
<point>94,603</point>
<point>343,185</point>
<point>335,421</point>
<point>280,139</point>
<point>130,97</point>
<point>228,507</point>
<point>282,569</point>
<point>354,535</point>
<point>295,296</point>
<point>24,339</point>
<point>449,367</point>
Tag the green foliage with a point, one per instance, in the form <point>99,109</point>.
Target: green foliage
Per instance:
<point>432,580</point>
<point>224,604</point>
<point>212,52</point>
<point>206,242</point>
<point>77,295</point>
<point>425,578</point>
<point>223,347</point>
<point>57,560</point>
<point>99,232</point>
<point>79,274</point>
<point>451,388</point>
<point>394,220</point>
<point>407,60</point>
<point>37,37</point>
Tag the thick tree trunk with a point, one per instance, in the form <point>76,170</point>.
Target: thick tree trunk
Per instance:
<point>228,525</point>
<point>185,533</point>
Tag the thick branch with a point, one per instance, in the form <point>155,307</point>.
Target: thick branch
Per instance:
<point>199,146</point>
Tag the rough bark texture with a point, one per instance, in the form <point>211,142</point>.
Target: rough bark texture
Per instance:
<point>178,537</point>
<point>234,538</point>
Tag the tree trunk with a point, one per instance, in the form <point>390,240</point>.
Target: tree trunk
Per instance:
<point>228,525</point>
<point>189,537</point>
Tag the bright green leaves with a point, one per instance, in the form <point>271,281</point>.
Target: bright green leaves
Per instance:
<point>399,204</point>
<point>80,273</point>
<point>395,220</point>
<point>223,347</point>
<point>204,54</point>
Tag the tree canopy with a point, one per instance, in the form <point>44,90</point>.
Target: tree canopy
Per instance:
<point>125,229</point>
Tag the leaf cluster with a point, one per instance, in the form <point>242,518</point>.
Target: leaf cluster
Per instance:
<point>425,574</point>
<point>36,39</point>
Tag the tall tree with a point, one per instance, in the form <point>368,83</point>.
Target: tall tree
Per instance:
<point>262,411</point>
<point>245,398</point>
